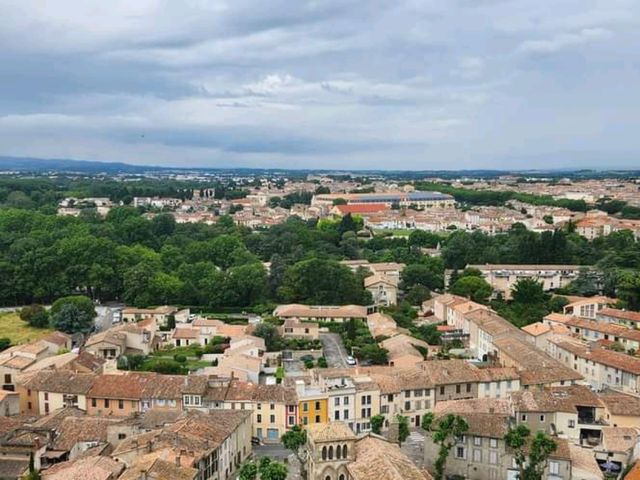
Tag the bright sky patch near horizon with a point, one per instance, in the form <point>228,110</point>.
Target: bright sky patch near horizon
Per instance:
<point>409,84</point>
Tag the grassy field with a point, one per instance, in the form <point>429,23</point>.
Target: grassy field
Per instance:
<point>17,331</point>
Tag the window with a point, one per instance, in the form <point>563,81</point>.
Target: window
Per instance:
<point>336,415</point>
<point>554,468</point>
<point>106,403</point>
<point>122,436</point>
<point>458,389</point>
<point>259,419</point>
<point>330,452</point>
<point>345,414</point>
<point>317,418</point>
<point>572,423</point>
<point>29,406</point>
<point>493,442</point>
<point>120,404</point>
<point>542,418</point>
<point>441,390</point>
<point>317,405</point>
<point>407,394</point>
<point>407,405</point>
<point>305,407</point>
<point>338,452</point>
<point>344,451</point>
<point>523,417</point>
<point>417,393</point>
<point>94,402</point>
<point>291,408</point>
<point>46,396</point>
<point>477,455</point>
<point>259,406</point>
<point>292,420</point>
<point>477,441</point>
<point>341,477</point>
<point>487,387</point>
<point>272,406</point>
<point>324,453</point>
<point>459,452</point>
<point>7,378</point>
<point>336,401</point>
<point>493,457</point>
<point>468,387</point>
<point>272,419</point>
<point>345,401</point>
<point>305,421</point>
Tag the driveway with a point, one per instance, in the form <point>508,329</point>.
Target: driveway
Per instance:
<point>334,350</point>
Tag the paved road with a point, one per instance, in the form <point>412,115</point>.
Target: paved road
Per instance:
<point>334,350</point>
<point>413,447</point>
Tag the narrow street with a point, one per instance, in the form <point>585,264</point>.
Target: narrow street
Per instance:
<point>334,350</point>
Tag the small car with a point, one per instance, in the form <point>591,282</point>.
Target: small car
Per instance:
<point>351,360</point>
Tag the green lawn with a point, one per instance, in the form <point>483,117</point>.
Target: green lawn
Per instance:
<point>17,331</point>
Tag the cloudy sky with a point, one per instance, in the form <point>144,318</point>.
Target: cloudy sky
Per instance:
<point>402,84</point>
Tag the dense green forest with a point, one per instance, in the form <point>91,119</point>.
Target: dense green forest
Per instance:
<point>144,262</point>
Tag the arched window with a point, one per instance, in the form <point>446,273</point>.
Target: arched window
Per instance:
<point>338,452</point>
<point>328,477</point>
<point>324,453</point>
<point>330,452</point>
<point>344,451</point>
<point>341,477</point>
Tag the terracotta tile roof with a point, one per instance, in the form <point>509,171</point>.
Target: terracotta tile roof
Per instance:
<point>619,403</point>
<point>583,460</point>
<point>381,324</point>
<point>621,314</point>
<point>8,424</point>
<point>306,311</point>
<point>500,406</point>
<point>380,278</point>
<point>329,431</point>
<point>377,458</point>
<point>139,385</point>
<point>558,317</point>
<point>603,356</point>
<point>555,399</point>
<point>536,329</point>
<point>619,439</point>
<point>17,362</point>
<point>362,208</point>
<point>154,466</point>
<point>58,338</point>
<point>486,266</point>
<point>605,328</point>
<point>634,473</point>
<point>186,333</point>
<point>86,468</point>
<point>73,430</point>
<point>56,381</point>
<point>535,366</point>
<point>402,345</point>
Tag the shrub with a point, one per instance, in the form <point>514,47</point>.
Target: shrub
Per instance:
<point>322,362</point>
<point>180,358</point>
<point>308,364</point>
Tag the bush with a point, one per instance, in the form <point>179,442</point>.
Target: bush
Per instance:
<point>180,358</point>
<point>35,315</point>
<point>308,364</point>
<point>4,343</point>
<point>167,367</point>
<point>322,362</point>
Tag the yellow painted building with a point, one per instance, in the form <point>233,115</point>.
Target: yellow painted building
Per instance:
<point>312,404</point>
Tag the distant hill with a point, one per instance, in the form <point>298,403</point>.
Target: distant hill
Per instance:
<point>22,164</point>
<point>90,167</point>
